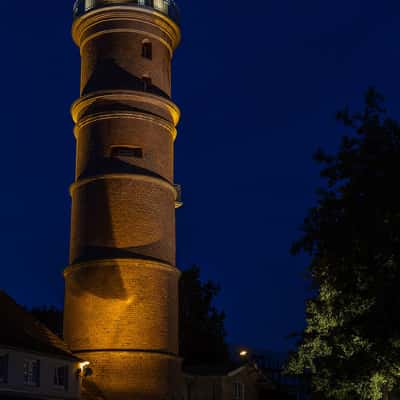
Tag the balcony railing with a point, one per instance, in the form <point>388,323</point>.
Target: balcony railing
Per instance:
<point>178,200</point>
<point>166,7</point>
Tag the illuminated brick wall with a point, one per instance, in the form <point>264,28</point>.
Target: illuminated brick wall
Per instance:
<point>121,304</point>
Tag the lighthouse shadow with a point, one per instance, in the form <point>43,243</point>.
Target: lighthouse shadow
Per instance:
<point>99,248</point>
<point>97,244</point>
<point>108,75</point>
<point>114,165</point>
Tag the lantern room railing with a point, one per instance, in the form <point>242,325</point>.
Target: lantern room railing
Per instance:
<point>166,7</point>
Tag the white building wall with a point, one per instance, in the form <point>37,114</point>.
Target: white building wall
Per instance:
<point>48,364</point>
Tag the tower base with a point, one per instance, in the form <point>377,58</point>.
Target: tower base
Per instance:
<point>121,315</point>
<point>122,375</point>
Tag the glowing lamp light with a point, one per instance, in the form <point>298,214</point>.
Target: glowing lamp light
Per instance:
<point>84,364</point>
<point>243,353</point>
<point>84,371</point>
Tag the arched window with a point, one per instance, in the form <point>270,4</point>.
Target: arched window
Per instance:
<point>147,49</point>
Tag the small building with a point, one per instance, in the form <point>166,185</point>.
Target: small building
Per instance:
<point>272,364</point>
<point>246,382</point>
<point>34,362</point>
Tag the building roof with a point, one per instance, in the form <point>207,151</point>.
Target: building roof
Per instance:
<point>210,370</point>
<point>19,329</point>
<point>231,369</point>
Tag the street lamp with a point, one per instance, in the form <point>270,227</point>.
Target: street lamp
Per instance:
<point>243,353</point>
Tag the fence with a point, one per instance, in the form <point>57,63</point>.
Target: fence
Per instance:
<point>166,7</point>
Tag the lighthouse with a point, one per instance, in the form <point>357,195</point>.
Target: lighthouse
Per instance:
<point>121,285</point>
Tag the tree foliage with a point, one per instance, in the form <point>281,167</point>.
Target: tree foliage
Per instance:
<point>201,331</point>
<point>351,343</point>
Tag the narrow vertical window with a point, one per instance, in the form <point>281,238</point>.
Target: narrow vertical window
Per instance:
<point>147,49</point>
<point>161,5</point>
<point>61,377</point>
<point>3,368</point>
<point>89,4</point>
<point>32,372</point>
<point>214,391</point>
<point>238,391</point>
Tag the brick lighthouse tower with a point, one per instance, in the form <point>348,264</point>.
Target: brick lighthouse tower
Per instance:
<point>121,300</point>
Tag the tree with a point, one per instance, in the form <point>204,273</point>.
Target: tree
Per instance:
<point>201,331</point>
<point>351,343</point>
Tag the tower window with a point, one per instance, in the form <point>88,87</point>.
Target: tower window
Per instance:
<point>147,50</point>
<point>147,82</point>
<point>126,151</point>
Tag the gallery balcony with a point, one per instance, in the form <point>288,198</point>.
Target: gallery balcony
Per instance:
<point>166,7</point>
<point>178,201</point>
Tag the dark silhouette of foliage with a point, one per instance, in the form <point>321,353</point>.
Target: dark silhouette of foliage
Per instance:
<point>351,343</point>
<point>201,332</point>
<point>51,317</point>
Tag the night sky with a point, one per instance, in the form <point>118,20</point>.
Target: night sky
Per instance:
<point>258,84</point>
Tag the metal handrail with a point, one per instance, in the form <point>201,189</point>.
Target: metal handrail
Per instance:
<point>166,7</point>
<point>178,200</point>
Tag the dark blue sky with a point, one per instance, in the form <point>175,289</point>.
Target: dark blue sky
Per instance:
<point>258,84</point>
